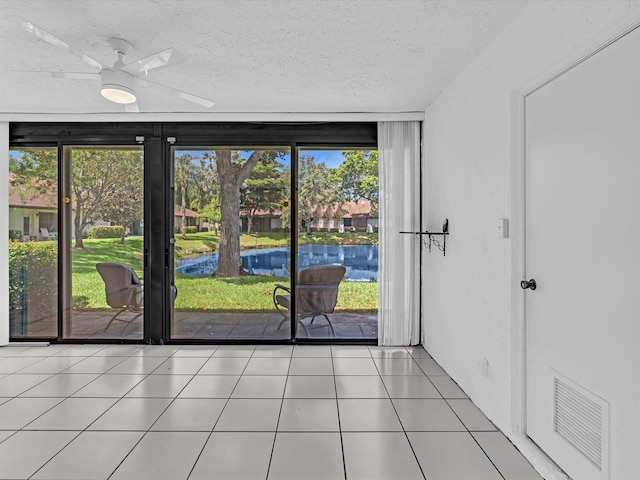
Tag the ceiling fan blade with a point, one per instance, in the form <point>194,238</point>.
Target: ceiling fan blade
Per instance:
<point>75,75</point>
<point>56,42</point>
<point>176,93</point>
<point>57,74</point>
<point>132,107</point>
<point>165,58</point>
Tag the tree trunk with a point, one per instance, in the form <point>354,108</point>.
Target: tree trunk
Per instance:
<point>79,241</point>
<point>231,178</point>
<point>229,259</point>
<point>78,224</point>
<point>122,235</point>
<point>249,223</point>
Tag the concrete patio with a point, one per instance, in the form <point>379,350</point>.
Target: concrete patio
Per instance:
<point>91,325</point>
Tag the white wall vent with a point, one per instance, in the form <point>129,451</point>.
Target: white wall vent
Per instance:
<point>582,419</point>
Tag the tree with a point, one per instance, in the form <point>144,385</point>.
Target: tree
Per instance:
<point>104,183</point>
<point>233,170</point>
<point>204,185</point>
<point>212,213</point>
<point>357,176</point>
<point>127,204</point>
<point>263,189</point>
<point>183,173</point>
<point>35,171</point>
<point>318,194</point>
<point>99,181</point>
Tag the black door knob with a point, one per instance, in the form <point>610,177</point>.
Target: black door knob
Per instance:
<point>528,284</point>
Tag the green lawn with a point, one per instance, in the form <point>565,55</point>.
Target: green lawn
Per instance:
<point>204,242</point>
<point>251,292</point>
<point>254,292</point>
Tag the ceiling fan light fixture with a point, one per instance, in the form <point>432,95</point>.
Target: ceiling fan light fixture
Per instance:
<point>117,86</point>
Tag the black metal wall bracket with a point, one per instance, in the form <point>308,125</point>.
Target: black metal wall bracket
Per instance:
<point>428,240</point>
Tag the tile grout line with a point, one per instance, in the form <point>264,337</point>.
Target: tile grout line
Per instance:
<point>456,414</point>
<point>21,429</point>
<point>415,456</point>
<point>56,454</point>
<point>243,374</point>
<point>52,375</point>
<point>406,434</point>
<point>88,426</point>
<point>79,432</point>
<point>275,434</point>
<point>204,445</point>
<point>474,438</point>
<point>144,434</point>
<point>335,386</point>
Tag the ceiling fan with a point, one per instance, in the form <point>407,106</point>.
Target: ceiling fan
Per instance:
<point>118,83</point>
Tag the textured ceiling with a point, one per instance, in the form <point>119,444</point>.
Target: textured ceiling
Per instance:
<point>250,56</point>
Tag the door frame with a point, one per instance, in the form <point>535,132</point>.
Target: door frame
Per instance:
<point>532,451</point>
<point>154,138</point>
<point>172,135</point>
<point>295,145</point>
<point>172,146</point>
<point>65,228</point>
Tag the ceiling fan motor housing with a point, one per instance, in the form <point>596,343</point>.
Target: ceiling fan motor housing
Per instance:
<point>117,86</point>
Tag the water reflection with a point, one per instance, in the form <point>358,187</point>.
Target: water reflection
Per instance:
<point>361,261</point>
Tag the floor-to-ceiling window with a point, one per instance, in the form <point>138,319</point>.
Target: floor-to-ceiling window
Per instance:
<point>194,232</point>
<point>103,207</point>
<point>33,242</point>
<point>232,236</point>
<point>337,243</point>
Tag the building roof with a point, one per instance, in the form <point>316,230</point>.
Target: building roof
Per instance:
<point>349,209</point>
<point>361,207</point>
<point>188,213</point>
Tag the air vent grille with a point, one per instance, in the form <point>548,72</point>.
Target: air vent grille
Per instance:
<point>579,420</point>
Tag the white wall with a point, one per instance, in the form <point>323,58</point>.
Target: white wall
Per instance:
<point>4,237</point>
<point>467,178</point>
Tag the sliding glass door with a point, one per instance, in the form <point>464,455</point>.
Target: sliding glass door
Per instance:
<point>189,232</point>
<point>33,243</point>
<point>76,243</point>
<point>337,282</point>
<point>103,219</point>
<point>230,242</point>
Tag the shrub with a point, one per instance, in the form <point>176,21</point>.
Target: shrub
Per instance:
<point>104,232</point>
<point>187,229</point>
<point>15,235</point>
<point>33,282</point>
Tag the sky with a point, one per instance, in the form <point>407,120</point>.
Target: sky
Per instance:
<point>331,158</point>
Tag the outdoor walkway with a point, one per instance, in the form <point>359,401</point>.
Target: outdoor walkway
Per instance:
<point>209,326</point>
<point>267,412</point>
<point>247,326</point>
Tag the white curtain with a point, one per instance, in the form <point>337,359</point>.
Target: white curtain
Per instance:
<point>4,238</point>
<point>399,254</point>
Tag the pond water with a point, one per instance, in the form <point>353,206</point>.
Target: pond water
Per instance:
<point>361,261</point>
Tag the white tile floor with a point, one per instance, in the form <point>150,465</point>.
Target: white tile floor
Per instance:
<point>242,412</point>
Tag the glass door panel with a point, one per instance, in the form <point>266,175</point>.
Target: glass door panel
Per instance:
<point>231,243</point>
<point>105,218</point>
<point>33,243</point>
<point>337,283</point>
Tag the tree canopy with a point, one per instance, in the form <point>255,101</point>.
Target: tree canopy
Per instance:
<point>106,184</point>
<point>263,189</point>
<point>357,176</point>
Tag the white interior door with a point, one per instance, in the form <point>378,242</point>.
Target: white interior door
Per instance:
<point>583,250</point>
